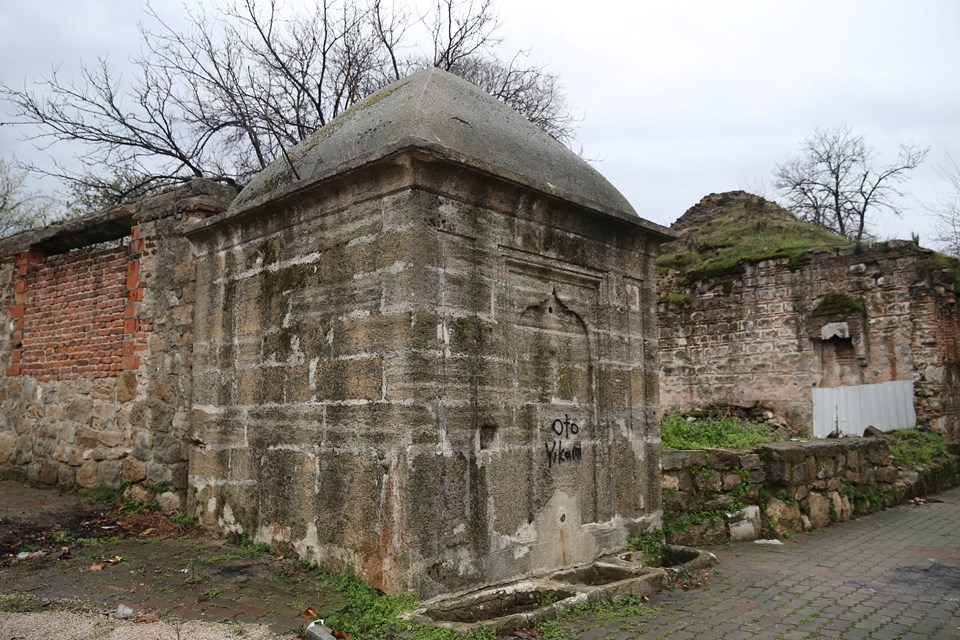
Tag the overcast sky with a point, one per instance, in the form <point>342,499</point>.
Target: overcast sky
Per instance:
<point>677,99</point>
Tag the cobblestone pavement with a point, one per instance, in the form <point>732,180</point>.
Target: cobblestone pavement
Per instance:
<point>892,575</point>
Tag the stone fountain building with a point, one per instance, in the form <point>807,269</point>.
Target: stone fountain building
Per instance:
<point>422,345</point>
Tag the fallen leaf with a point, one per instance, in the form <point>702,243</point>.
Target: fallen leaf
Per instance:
<point>281,557</point>
<point>103,562</point>
<point>146,619</point>
<point>148,532</point>
<point>66,555</point>
<point>341,635</point>
<point>309,613</point>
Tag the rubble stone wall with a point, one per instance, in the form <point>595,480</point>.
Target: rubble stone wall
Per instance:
<point>756,338</point>
<point>97,346</point>
<point>791,486</point>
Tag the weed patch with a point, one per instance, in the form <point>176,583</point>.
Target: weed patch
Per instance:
<point>679,299</point>
<point>678,431</point>
<point>834,304</point>
<point>22,603</point>
<point>245,549</point>
<point>912,447</point>
<point>650,543</point>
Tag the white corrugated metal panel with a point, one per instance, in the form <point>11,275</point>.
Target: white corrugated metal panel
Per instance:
<point>886,406</point>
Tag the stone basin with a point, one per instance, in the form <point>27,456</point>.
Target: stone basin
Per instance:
<point>525,603</point>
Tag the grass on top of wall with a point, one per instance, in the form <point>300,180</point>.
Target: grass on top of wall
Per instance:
<point>732,229</point>
<point>678,431</point>
<point>912,447</point>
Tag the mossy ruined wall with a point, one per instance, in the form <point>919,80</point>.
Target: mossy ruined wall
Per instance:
<point>844,317</point>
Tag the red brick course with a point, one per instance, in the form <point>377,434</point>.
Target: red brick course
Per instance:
<point>75,313</point>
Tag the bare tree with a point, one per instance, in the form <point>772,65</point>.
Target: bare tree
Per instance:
<point>20,209</point>
<point>946,210</point>
<point>224,96</point>
<point>835,184</point>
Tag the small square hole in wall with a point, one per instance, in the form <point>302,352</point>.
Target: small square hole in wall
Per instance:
<point>488,436</point>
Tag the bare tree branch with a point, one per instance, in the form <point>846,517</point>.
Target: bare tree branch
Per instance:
<point>244,80</point>
<point>946,210</point>
<point>20,209</point>
<point>835,184</point>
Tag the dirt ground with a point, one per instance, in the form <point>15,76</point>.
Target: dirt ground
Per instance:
<point>67,564</point>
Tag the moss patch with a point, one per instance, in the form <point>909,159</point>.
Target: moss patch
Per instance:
<point>837,304</point>
<point>724,232</point>
<point>940,262</point>
<point>912,447</point>
<point>679,299</point>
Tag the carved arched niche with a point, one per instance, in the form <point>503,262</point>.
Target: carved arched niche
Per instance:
<point>557,365</point>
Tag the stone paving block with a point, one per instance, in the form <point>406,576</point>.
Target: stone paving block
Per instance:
<point>863,579</point>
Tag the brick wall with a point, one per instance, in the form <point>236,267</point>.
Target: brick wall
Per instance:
<point>97,318</point>
<point>75,314</point>
<point>752,339</point>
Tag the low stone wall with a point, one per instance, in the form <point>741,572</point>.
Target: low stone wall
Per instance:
<point>717,495</point>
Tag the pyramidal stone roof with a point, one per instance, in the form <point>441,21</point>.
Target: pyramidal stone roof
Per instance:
<point>435,110</point>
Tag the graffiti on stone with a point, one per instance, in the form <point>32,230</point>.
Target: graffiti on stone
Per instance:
<point>564,445</point>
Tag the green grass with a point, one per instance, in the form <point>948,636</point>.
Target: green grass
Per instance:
<point>937,262</point>
<point>62,537</point>
<point>100,494</point>
<point>367,612</point>
<point>245,549</point>
<point>737,229</point>
<point>213,592</point>
<point>22,603</point>
<point>650,543</point>
<point>912,447</point>
<point>678,432</point>
<point>368,615</point>
<point>679,299</point>
<point>128,505</point>
<point>185,519</point>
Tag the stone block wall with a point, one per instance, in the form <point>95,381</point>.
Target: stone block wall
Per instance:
<point>755,339</point>
<point>438,379</point>
<point>96,353</point>
<point>701,487</point>
<point>792,486</point>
